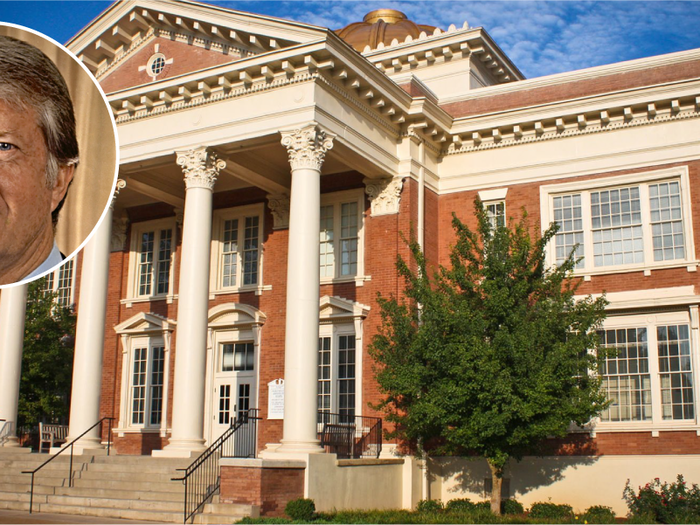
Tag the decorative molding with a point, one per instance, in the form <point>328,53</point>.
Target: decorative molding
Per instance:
<point>307,146</point>
<point>200,166</point>
<point>120,185</point>
<point>279,206</point>
<point>384,195</point>
<point>119,226</point>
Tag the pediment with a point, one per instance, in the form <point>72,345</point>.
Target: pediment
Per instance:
<point>336,308</point>
<point>145,322</point>
<point>118,44</point>
<point>235,314</point>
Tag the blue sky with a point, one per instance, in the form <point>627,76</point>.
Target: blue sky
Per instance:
<point>541,37</point>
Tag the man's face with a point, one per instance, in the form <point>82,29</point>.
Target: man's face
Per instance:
<point>25,201</point>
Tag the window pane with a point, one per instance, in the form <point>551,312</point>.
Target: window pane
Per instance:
<point>229,264</point>
<point>227,358</point>
<point>324,376</point>
<point>567,214</point>
<point>346,378</point>
<point>676,373</point>
<point>348,236</point>
<point>138,388</point>
<point>145,269</point>
<point>250,251</point>
<point>157,364</point>
<point>164,261</point>
<point>496,213</point>
<point>65,283</point>
<point>625,374</point>
<point>666,221</point>
<point>327,252</point>
<point>243,359</point>
<point>617,232</point>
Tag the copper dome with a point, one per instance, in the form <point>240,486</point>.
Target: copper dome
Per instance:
<point>382,25</point>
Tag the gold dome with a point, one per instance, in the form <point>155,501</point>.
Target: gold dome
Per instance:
<point>381,25</point>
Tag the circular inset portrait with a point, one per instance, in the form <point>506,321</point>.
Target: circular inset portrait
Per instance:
<point>58,155</point>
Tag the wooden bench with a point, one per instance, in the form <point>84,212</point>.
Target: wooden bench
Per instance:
<point>52,435</point>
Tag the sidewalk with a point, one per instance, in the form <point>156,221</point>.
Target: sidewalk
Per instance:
<point>19,516</point>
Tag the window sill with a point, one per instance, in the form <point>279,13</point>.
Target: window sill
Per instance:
<point>149,299</point>
<point>691,266</point>
<point>359,280</point>
<point>244,289</point>
<point>641,426</point>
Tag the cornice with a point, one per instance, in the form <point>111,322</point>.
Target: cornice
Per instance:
<point>611,118</point>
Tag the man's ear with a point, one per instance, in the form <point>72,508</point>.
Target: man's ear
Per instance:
<point>63,180</point>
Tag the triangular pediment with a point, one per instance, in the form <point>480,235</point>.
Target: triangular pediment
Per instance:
<point>179,37</point>
<point>144,322</point>
<point>337,308</point>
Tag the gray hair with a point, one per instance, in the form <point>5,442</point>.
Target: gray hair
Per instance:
<point>29,79</point>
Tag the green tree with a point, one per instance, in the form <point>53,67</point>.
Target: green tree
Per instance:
<point>47,358</point>
<point>488,357</point>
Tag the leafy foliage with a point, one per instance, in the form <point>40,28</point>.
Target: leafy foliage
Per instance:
<point>429,505</point>
<point>551,511</point>
<point>599,514</point>
<point>460,505</point>
<point>664,502</point>
<point>512,506</point>
<point>47,358</point>
<point>488,357</point>
<point>301,509</point>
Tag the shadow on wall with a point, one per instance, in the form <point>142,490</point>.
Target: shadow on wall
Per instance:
<point>460,475</point>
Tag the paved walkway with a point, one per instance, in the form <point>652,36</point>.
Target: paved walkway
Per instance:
<point>19,516</point>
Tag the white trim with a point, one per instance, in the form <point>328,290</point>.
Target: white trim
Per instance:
<point>137,228</point>
<point>337,199</point>
<point>655,297</point>
<point>239,213</point>
<point>548,192</point>
<point>493,195</point>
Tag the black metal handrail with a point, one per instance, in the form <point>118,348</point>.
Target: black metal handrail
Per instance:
<point>350,437</point>
<point>202,478</point>
<point>63,449</point>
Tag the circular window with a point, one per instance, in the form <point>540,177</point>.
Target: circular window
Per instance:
<point>156,64</point>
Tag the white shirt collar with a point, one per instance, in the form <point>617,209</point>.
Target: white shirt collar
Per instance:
<point>54,259</point>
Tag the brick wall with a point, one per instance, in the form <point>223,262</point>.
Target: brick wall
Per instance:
<point>268,488</point>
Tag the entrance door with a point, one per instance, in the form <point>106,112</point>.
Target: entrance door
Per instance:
<point>235,385</point>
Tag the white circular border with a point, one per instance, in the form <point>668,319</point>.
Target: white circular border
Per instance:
<point>116,159</point>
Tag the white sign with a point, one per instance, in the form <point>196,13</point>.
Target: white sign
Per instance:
<point>275,399</point>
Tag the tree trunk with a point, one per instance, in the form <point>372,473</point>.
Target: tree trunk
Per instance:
<point>496,483</point>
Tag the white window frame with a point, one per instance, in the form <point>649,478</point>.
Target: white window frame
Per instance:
<point>149,343</point>
<point>153,330</point>
<point>650,321</point>
<point>643,180</point>
<point>337,200</point>
<point>240,213</point>
<point>137,229</point>
<point>54,279</point>
<point>335,332</point>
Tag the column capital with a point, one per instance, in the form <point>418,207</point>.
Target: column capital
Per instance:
<point>307,146</point>
<point>279,206</point>
<point>201,167</point>
<point>384,195</point>
<point>121,184</point>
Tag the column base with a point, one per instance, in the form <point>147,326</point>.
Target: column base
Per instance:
<point>295,447</point>
<point>181,448</point>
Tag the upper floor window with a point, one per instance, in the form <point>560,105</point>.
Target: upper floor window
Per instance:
<point>237,253</point>
<point>61,283</point>
<point>152,248</point>
<point>340,237</point>
<point>496,213</point>
<point>620,222</point>
<point>649,373</point>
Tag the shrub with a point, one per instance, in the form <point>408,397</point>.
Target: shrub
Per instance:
<point>483,505</point>
<point>300,509</point>
<point>599,514</point>
<point>511,506</point>
<point>460,505</point>
<point>551,511</point>
<point>664,502</point>
<point>429,505</point>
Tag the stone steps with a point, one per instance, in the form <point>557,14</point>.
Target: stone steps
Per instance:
<point>127,487</point>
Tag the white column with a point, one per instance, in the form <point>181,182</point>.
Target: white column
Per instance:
<point>90,334</point>
<point>13,302</point>
<point>201,168</point>
<point>307,148</point>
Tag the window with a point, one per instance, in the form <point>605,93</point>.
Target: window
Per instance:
<point>648,373</point>
<point>237,253</point>
<point>61,283</point>
<point>337,376</point>
<point>147,383</point>
<point>152,252</point>
<point>237,357</point>
<point>622,222</point>
<point>496,213</point>
<point>340,241</point>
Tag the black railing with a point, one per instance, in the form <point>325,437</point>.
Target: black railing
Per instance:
<point>202,477</point>
<point>350,437</point>
<point>63,449</point>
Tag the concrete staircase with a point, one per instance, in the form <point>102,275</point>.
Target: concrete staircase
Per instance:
<point>127,487</point>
